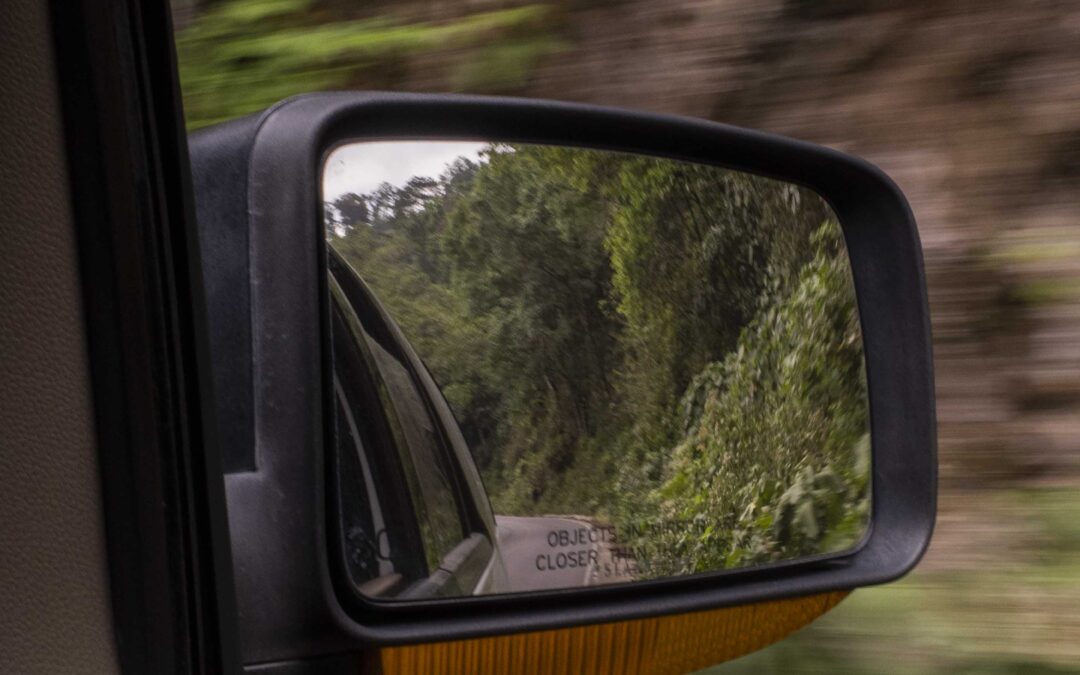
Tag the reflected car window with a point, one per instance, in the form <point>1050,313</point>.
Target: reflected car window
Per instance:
<point>406,435</point>
<point>416,441</point>
<point>381,541</point>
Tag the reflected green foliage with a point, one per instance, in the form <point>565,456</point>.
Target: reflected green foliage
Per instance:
<point>776,454</point>
<point>637,340</point>
<point>241,56</point>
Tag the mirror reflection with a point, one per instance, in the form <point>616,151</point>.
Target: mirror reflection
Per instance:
<point>557,367</point>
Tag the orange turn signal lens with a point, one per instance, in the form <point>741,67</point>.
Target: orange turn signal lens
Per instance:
<point>669,645</point>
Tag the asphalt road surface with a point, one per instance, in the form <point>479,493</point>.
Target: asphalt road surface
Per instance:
<point>533,564</point>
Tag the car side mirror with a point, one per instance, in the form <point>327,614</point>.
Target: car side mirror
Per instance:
<point>490,365</point>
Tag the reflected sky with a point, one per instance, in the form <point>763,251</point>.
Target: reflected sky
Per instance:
<point>361,167</point>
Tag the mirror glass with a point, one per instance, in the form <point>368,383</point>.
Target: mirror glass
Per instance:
<point>559,367</point>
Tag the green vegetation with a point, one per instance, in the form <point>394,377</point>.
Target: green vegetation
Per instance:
<point>1005,616</point>
<point>242,56</point>
<point>784,414</point>
<point>642,341</point>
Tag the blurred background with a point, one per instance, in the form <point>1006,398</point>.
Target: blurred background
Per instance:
<point>972,107</point>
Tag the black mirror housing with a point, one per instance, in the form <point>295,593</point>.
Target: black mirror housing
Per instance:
<point>259,207</point>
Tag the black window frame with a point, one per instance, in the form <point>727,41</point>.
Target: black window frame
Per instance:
<point>167,539</point>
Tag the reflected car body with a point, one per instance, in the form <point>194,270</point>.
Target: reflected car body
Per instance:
<point>415,520</point>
